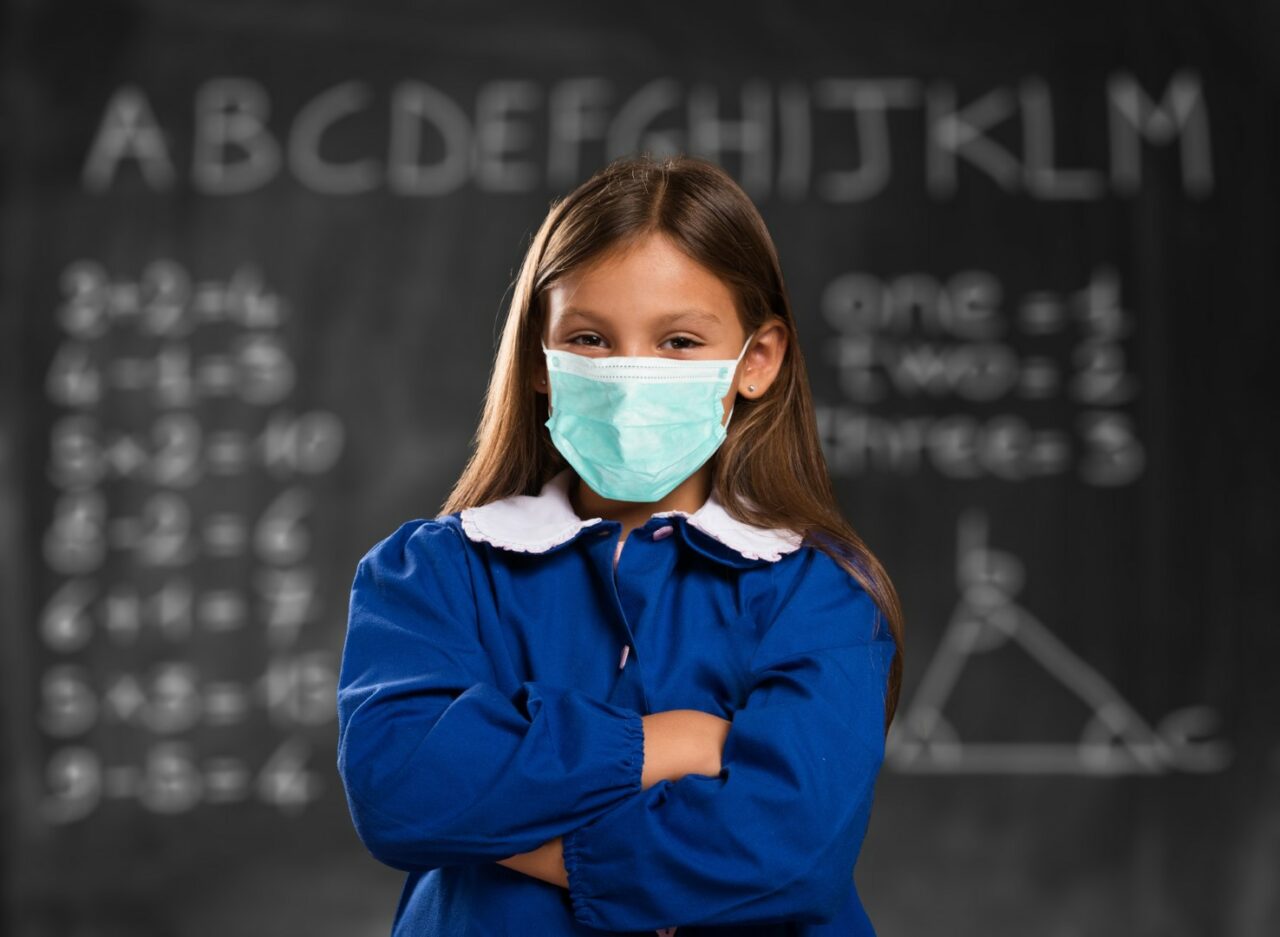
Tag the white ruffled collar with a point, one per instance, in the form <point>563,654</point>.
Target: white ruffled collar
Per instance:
<point>536,523</point>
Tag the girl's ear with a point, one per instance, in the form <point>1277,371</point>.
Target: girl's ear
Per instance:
<point>539,377</point>
<point>763,360</point>
<point>540,366</point>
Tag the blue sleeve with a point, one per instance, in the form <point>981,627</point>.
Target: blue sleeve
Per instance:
<point>775,835</point>
<point>439,765</point>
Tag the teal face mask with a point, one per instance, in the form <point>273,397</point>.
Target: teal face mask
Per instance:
<point>634,428</point>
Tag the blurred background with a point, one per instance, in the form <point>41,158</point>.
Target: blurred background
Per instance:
<point>255,259</point>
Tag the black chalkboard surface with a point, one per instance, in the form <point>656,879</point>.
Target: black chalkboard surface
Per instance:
<point>254,260</point>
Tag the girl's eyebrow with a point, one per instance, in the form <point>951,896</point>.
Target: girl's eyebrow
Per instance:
<point>695,315</point>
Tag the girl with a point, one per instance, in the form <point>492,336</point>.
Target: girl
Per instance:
<point>638,674</point>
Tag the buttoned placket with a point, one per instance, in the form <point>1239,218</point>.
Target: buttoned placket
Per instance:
<point>660,533</point>
<point>629,599</point>
<point>655,534</point>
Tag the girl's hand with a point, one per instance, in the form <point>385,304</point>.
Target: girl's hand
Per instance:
<point>682,741</point>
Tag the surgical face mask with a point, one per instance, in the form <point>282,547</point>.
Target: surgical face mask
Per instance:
<point>634,428</point>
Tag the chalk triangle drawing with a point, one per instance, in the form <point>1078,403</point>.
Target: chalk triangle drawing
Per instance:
<point>1115,738</point>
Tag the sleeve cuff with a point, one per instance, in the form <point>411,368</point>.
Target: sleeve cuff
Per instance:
<point>633,751</point>
<point>575,844</point>
<point>601,855</point>
<point>572,846</point>
<point>601,742</point>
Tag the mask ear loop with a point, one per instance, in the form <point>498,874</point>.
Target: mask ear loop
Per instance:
<point>736,362</point>
<point>545,349</point>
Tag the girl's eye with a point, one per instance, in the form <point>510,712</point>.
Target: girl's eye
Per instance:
<point>591,340</point>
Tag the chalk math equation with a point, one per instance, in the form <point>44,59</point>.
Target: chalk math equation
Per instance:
<point>178,548</point>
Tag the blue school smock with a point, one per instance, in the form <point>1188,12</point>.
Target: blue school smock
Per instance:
<point>495,668</point>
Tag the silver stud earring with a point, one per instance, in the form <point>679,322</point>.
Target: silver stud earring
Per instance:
<point>751,387</point>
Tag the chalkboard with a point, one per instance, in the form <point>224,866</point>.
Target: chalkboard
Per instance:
<point>255,258</point>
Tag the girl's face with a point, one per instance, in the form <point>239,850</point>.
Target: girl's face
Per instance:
<point>653,300</point>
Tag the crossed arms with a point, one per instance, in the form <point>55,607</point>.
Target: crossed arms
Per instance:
<point>677,816</point>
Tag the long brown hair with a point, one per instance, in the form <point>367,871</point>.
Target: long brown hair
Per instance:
<point>774,437</point>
